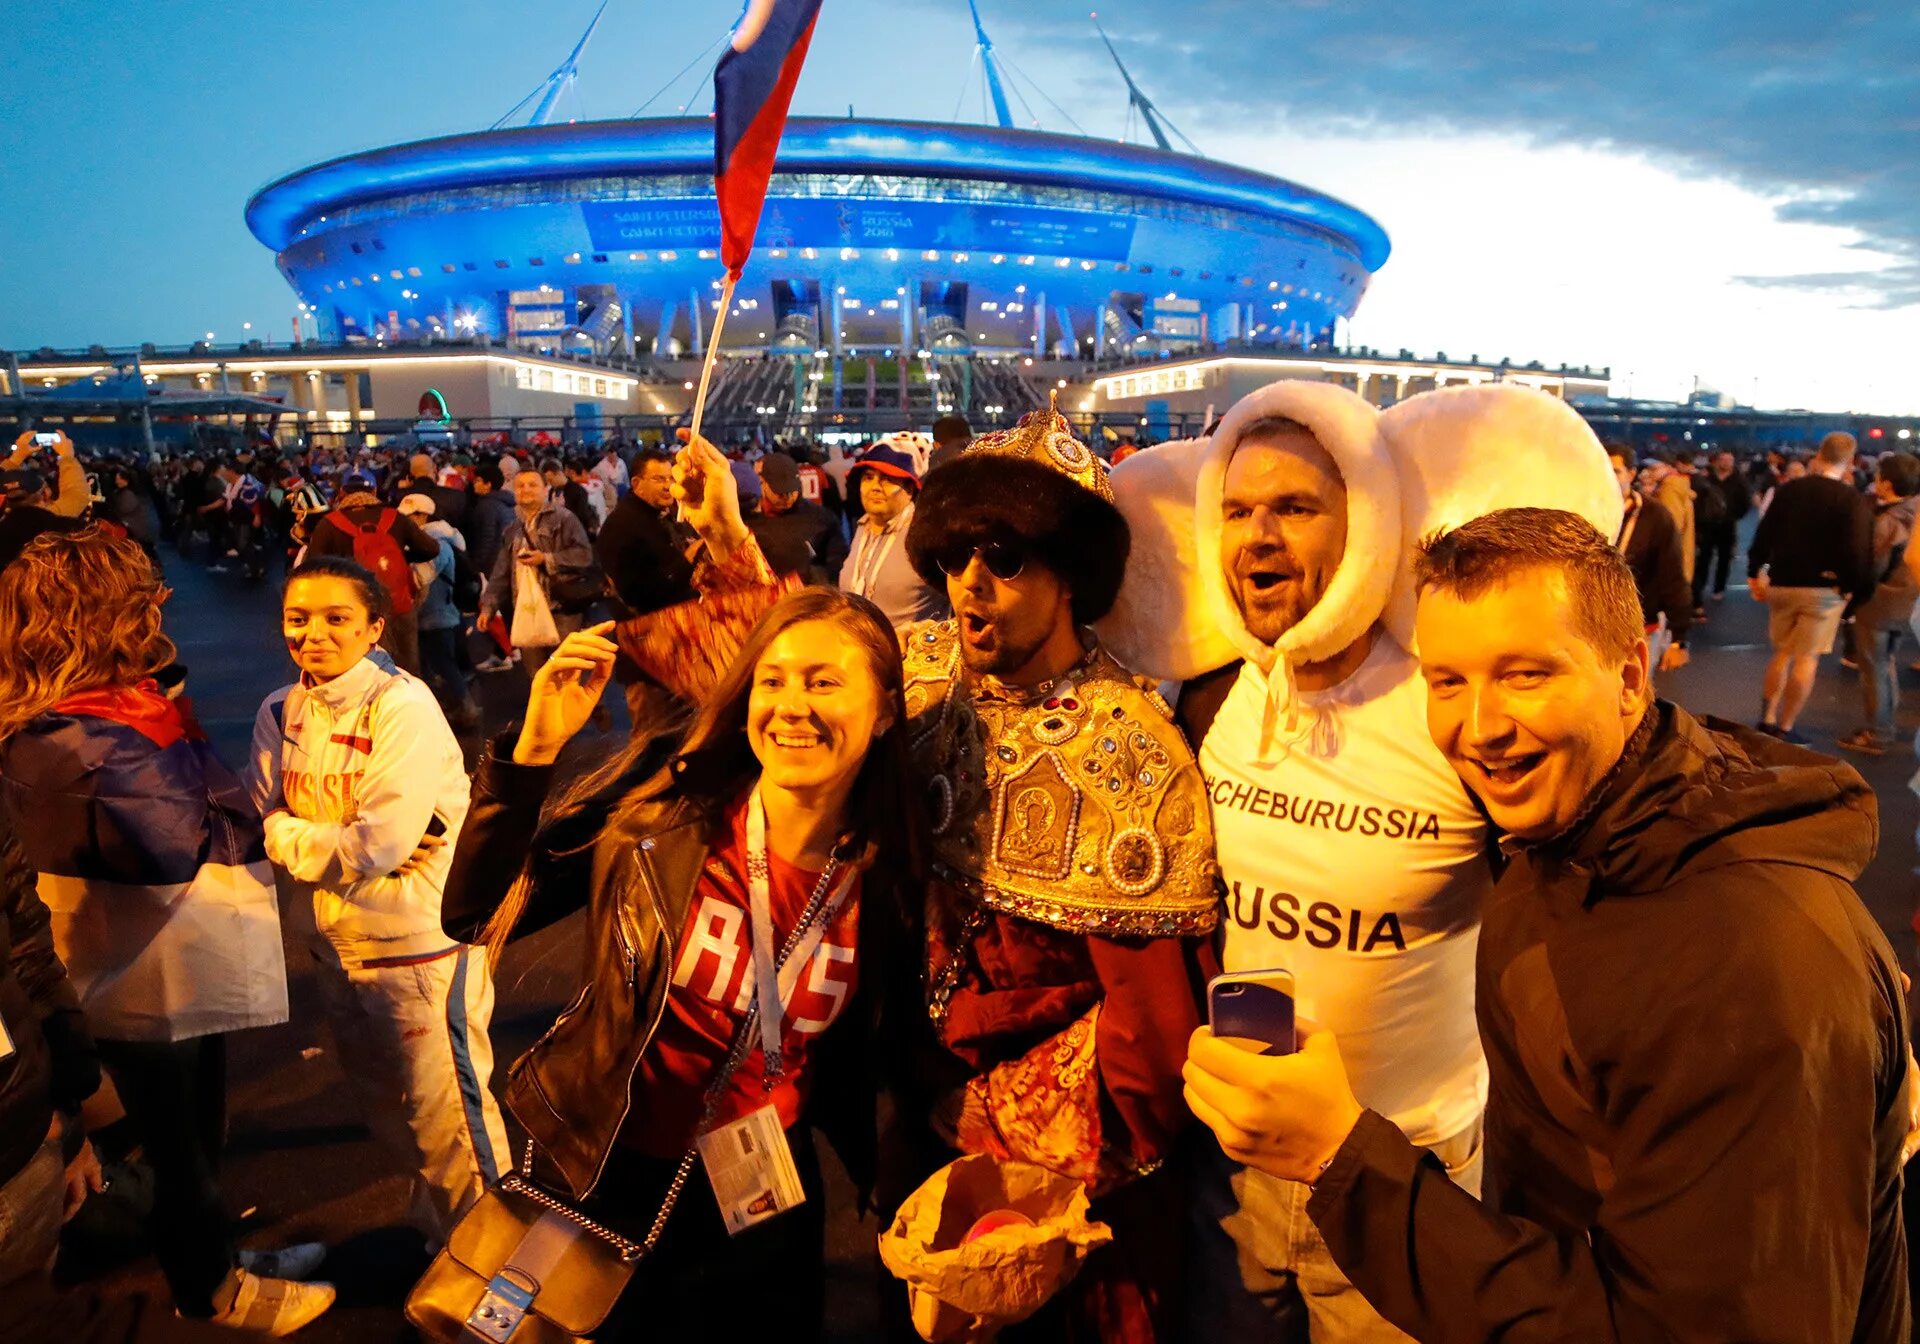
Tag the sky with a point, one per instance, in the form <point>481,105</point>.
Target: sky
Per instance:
<point>1693,193</point>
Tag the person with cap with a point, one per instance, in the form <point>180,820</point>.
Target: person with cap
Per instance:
<point>360,528</point>
<point>878,567</point>
<point>1074,880</point>
<point>796,535</point>
<point>28,512</point>
<point>67,495</point>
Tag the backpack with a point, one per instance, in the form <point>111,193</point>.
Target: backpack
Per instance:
<point>377,550</point>
<point>466,583</point>
<point>1709,504</point>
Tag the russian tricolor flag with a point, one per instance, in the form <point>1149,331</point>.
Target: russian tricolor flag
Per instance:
<point>752,89</point>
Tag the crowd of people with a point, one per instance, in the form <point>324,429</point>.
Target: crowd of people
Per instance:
<point>962,772</point>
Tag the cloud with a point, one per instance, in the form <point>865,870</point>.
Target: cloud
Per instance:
<point>1814,108</point>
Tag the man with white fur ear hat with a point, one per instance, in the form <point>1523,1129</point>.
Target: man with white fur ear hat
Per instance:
<point>1353,857</point>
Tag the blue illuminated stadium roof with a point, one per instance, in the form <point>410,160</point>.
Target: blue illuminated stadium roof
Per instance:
<point>278,212</point>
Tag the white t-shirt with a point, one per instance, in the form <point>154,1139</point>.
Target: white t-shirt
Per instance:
<point>1362,872</point>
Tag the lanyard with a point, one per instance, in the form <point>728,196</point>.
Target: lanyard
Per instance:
<point>874,554</point>
<point>774,982</point>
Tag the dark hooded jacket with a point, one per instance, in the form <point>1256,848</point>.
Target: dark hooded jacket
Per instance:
<point>1698,1051</point>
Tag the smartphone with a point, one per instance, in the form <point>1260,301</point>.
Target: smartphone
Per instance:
<point>437,825</point>
<point>41,440</point>
<point>1253,1010</point>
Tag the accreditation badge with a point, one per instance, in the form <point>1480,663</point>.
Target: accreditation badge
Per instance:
<point>750,1166</point>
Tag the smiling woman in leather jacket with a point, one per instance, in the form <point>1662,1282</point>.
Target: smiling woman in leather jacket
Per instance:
<point>783,811</point>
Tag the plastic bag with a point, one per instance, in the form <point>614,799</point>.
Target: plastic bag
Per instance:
<point>533,626</point>
<point>968,1288</point>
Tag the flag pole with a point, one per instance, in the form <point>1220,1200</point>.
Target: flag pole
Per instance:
<point>713,349</point>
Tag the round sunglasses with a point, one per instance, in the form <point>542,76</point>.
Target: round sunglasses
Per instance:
<point>1003,560</point>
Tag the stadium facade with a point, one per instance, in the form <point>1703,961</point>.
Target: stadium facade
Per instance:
<point>878,236</point>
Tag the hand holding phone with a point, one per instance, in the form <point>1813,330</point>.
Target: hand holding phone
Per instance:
<point>1253,1010</point>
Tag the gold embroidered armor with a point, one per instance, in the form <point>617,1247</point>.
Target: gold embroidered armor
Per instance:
<point>1077,806</point>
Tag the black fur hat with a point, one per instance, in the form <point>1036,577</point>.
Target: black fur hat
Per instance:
<point>1035,485</point>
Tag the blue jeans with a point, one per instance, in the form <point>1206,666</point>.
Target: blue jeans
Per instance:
<point>1259,1268</point>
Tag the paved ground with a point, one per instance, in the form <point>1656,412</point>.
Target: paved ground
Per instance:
<point>303,1166</point>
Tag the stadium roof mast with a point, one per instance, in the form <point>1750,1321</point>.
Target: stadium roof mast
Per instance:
<point>1139,101</point>
<point>983,52</point>
<point>557,83</point>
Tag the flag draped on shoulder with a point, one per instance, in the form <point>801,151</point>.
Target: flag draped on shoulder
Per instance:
<point>752,89</point>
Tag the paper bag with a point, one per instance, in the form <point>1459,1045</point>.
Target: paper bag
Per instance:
<point>969,1290</point>
<point>533,626</point>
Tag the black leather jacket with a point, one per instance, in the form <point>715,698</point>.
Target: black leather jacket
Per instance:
<point>572,1090</point>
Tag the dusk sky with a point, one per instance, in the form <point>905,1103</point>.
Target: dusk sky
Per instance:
<point>1722,191</point>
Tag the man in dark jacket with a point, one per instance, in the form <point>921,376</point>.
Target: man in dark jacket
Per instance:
<point>796,535</point>
<point>1810,560</point>
<point>450,505</point>
<point>1651,545</point>
<point>1721,498</point>
<point>645,551</point>
<point>1700,1084</point>
<point>488,516</point>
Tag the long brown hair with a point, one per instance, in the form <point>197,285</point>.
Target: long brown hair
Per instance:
<point>79,611</point>
<point>887,818</point>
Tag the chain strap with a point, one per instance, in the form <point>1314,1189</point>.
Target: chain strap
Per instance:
<point>716,1093</point>
<point>940,993</point>
<point>521,1183</point>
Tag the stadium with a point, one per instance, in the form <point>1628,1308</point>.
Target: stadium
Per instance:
<point>919,250</point>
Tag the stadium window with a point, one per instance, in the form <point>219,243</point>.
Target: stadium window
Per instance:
<point>357,251</point>
<point>448,267</point>
<point>536,261</point>
<point>636,256</point>
<point>413,273</point>
<point>1176,270</point>
<point>599,387</point>
<point>500,265</point>
<point>327,288</point>
<point>669,256</point>
<point>1122,267</point>
<point>600,258</point>
<point>707,254</point>
<point>572,258</point>
<point>379,246</point>
<point>470,265</point>
<point>397,276</point>
<point>356,282</point>
<point>1146,269</point>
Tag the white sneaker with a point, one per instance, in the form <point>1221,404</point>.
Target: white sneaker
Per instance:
<point>494,664</point>
<point>299,1261</point>
<point>274,1306</point>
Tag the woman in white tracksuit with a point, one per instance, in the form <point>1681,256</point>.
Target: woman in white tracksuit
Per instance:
<point>362,789</point>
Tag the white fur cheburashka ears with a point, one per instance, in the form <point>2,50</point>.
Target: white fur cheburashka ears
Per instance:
<point>1159,625</point>
<point>1463,452</point>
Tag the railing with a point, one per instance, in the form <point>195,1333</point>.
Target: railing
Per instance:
<point>646,369</point>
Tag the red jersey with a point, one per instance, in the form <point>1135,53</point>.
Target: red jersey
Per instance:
<point>713,984</point>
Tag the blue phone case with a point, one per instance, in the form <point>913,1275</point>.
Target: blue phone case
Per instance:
<point>1254,1012</point>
